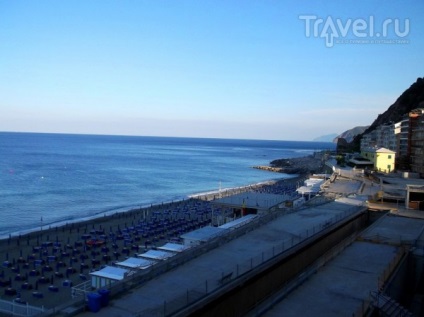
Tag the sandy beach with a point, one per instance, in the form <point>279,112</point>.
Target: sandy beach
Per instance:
<point>40,267</point>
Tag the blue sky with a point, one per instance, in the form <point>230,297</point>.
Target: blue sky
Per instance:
<point>225,69</point>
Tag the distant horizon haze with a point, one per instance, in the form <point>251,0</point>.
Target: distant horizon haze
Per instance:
<point>164,136</point>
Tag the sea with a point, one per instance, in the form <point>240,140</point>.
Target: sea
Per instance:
<point>53,179</point>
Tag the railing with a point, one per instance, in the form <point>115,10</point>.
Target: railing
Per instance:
<point>388,306</point>
<point>381,282</point>
<point>390,268</point>
<point>81,289</point>
<point>211,285</point>
<point>19,309</point>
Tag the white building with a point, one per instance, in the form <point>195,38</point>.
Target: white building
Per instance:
<point>107,276</point>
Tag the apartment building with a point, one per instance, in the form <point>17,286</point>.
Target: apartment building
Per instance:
<point>416,141</point>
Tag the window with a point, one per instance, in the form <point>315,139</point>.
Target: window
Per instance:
<point>390,156</point>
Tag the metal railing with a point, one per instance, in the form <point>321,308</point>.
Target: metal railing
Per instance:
<point>19,309</point>
<point>207,287</point>
<point>212,285</point>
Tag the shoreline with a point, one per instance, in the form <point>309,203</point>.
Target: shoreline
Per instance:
<point>299,168</point>
<point>207,195</point>
<point>47,258</point>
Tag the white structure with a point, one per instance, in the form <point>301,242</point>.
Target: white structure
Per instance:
<point>312,187</point>
<point>238,222</point>
<point>156,255</point>
<point>107,276</point>
<point>135,263</point>
<point>201,235</point>
<point>174,247</point>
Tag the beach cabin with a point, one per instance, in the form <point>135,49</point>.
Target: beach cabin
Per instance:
<point>414,197</point>
<point>107,276</point>
<point>135,263</point>
<point>157,255</point>
<point>247,203</point>
<point>201,235</point>
<point>312,186</point>
<point>383,159</point>
<point>174,247</point>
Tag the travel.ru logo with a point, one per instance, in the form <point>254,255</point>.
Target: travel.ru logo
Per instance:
<point>356,31</point>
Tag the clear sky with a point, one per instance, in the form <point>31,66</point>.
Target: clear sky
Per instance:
<point>264,69</point>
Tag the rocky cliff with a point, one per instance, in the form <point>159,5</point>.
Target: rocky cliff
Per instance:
<point>410,99</point>
<point>350,134</point>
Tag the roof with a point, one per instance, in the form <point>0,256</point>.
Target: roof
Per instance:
<point>135,263</point>
<point>238,222</point>
<point>308,189</point>
<point>312,185</point>
<point>174,247</point>
<point>254,200</point>
<point>310,182</point>
<point>203,234</point>
<point>156,254</point>
<point>111,272</point>
<point>415,188</point>
<point>380,150</point>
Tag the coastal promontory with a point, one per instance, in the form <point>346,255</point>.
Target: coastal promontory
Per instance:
<point>298,165</point>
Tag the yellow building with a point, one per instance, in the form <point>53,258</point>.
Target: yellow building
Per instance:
<point>383,159</point>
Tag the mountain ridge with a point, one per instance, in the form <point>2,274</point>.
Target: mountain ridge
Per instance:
<point>410,99</point>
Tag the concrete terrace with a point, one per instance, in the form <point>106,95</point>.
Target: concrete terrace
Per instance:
<point>343,285</point>
<point>336,286</point>
<point>203,273</point>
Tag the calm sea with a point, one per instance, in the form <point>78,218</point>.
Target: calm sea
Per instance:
<point>55,178</point>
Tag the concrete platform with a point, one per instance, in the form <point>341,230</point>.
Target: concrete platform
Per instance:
<point>394,230</point>
<point>157,296</point>
<point>339,288</point>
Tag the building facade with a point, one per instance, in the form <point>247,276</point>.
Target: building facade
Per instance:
<point>416,141</point>
<point>405,138</point>
<point>382,158</point>
<point>382,136</point>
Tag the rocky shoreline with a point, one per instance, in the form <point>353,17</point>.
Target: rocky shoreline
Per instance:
<point>298,165</point>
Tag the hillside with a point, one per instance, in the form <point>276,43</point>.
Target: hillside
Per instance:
<point>350,134</point>
<point>410,99</point>
<point>325,138</point>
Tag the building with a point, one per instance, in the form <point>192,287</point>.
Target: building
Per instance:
<point>135,263</point>
<point>382,136</point>
<point>107,276</point>
<point>369,140</point>
<point>202,235</point>
<point>416,141</point>
<point>382,158</point>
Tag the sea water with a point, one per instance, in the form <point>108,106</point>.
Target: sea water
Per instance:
<point>47,179</point>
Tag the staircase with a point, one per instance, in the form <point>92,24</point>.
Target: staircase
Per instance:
<point>388,307</point>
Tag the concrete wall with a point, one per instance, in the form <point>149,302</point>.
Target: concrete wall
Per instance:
<point>245,293</point>
<point>407,281</point>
